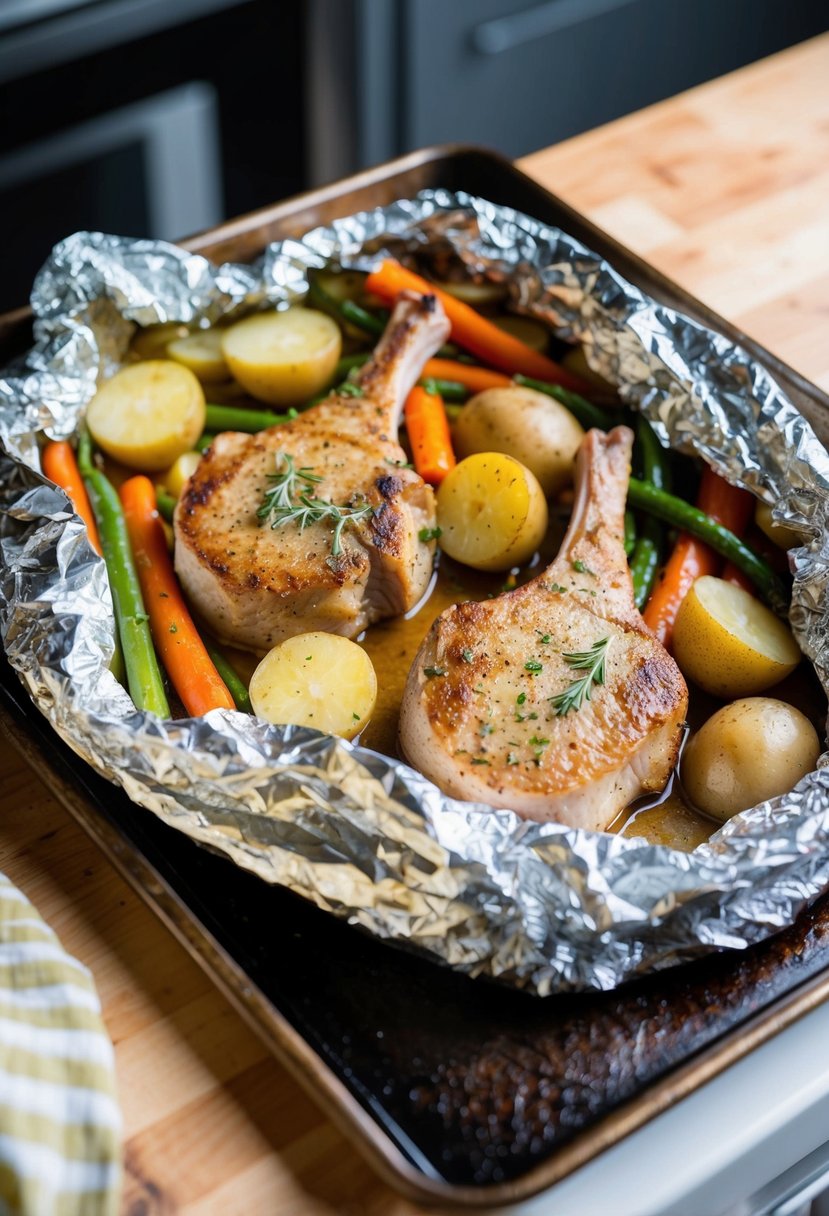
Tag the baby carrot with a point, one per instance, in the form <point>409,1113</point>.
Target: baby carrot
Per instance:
<point>476,379</point>
<point>182,651</point>
<point>61,467</point>
<point>691,558</point>
<point>474,332</point>
<point>428,430</point>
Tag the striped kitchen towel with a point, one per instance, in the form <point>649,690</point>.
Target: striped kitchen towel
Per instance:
<point>60,1126</point>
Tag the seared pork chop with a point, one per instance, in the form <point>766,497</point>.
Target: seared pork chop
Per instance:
<point>555,699</point>
<point>256,579</point>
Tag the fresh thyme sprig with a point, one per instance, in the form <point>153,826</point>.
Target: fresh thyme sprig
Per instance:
<point>592,662</point>
<point>290,501</point>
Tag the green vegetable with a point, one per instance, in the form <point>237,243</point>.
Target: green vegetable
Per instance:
<point>449,390</point>
<point>166,504</point>
<point>679,514</point>
<point>630,533</point>
<point>235,686</point>
<point>647,552</point>
<point>587,414</point>
<point>229,418</point>
<point>592,662</point>
<point>143,674</point>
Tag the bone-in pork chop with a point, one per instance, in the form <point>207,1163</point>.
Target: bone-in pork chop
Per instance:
<point>555,699</point>
<point>354,557</point>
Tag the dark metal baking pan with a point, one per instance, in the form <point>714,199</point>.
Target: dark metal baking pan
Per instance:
<point>458,1091</point>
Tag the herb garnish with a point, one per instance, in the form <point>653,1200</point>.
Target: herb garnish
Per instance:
<point>592,662</point>
<point>533,665</point>
<point>580,568</point>
<point>290,500</point>
<point>350,389</point>
<point>431,672</point>
<point>466,655</point>
<point>429,533</point>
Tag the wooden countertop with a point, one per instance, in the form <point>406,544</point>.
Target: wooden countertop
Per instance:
<point>725,189</point>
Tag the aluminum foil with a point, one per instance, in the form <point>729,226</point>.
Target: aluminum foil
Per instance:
<point>541,907</point>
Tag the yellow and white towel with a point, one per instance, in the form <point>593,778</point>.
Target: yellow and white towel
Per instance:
<point>60,1126</point>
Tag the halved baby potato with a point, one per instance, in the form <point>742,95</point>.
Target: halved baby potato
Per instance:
<point>316,679</point>
<point>147,414</point>
<point>525,424</point>
<point>491,511</point>
<point>202,353</point>
<point>151,341</point>
<point>179,473</point>
<point>283,358</point>
<point>729,643</point>
<point>779,534</point>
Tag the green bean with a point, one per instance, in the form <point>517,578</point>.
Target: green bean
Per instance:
<point>647,553</point>
<point>166,504</point>
<point>585,412</point>
<point>682,515</point>
<point>449,390</point>
<point>630,532</point>
<point>235,686</point>
<point>144,681</point>
<point>347,364</point>
<point>229,418</point>
<point>204,442</point>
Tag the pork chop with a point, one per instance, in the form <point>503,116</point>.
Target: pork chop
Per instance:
<point>555,699</point>
<point>258,577</point>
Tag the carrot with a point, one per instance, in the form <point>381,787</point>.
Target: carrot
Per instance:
<point>692,558</point>
<point>181,649</point>
<point>428,429</point>
<point>61,467</point>
<point>476,379</point>
<point>472,331</point>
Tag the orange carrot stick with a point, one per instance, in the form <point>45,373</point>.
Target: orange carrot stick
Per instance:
<point>691,558</point>
<point>61,467</point>
<point>474,332</point>
<point>428,429</point>
<point>181,649</point>
<point>476,379</point>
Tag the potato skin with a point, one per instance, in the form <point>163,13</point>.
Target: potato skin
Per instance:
<point>751,750</point>
<point>527,425</point>
<point>283,358</point>
<point>148,414</point>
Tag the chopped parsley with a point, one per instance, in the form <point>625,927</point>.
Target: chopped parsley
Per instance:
<point>426,534</point>
<point>533,665</point>
<point>431,672</point>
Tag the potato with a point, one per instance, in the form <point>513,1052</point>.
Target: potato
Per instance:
<point>748,751</point>
<point>152,341</point>
<point>729,643</point>
<point>179,473</point>
<point>779,534</point>
<point>202,353</point>
<point>527,425</point>
<point>283,358</point>
<point>477,295</point>
<point>491,511</point>
<point>147,414</point>
<point>316,679</point>
<point>525,329</point>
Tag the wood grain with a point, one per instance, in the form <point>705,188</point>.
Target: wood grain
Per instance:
<point>724,189</point>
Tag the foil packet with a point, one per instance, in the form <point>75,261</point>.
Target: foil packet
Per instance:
<point>540,907</point>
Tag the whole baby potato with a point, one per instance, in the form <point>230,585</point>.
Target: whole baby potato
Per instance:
<point>524,424</point>
<point>746,752</point>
